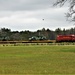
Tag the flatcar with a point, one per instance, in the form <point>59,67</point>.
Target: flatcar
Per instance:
<point>65,38</point>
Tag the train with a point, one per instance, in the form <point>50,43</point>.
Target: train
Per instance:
<point>43,39</point>
<point>59,38</point>
<point>65,38</point>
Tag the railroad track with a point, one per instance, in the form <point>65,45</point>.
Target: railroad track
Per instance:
<point>13,42</point>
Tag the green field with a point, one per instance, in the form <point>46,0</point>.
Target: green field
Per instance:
<point>37,59</point>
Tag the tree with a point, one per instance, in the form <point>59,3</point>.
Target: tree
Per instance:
<point>5,33</point>
<point>58,31</point>
<point>71,13</point>
<point>64,31</point>
<point>71,31</point>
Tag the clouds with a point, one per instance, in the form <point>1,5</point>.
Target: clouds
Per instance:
<point>16,5</point>
<point>28,14</point>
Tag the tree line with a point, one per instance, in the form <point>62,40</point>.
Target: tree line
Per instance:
<point>8,35</point>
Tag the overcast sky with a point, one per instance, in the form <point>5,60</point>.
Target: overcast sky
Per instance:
<point>32,15</point>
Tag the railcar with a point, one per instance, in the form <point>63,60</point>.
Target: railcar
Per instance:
<point>65,38</point>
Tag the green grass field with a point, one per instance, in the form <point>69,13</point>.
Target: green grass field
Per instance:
<point>37,60</point>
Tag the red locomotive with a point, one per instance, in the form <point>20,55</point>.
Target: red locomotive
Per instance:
<point>65,38</point>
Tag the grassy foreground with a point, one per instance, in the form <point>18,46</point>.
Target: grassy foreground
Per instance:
<point>48,60</point>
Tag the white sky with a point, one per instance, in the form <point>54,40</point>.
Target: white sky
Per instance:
<point>29,14</point>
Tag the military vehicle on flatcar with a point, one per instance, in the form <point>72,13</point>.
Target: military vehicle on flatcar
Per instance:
<point>35,38</point>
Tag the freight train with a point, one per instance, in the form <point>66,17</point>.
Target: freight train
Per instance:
<point>59,38</point>
<point>65,38</point>
<point>42,39</point>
